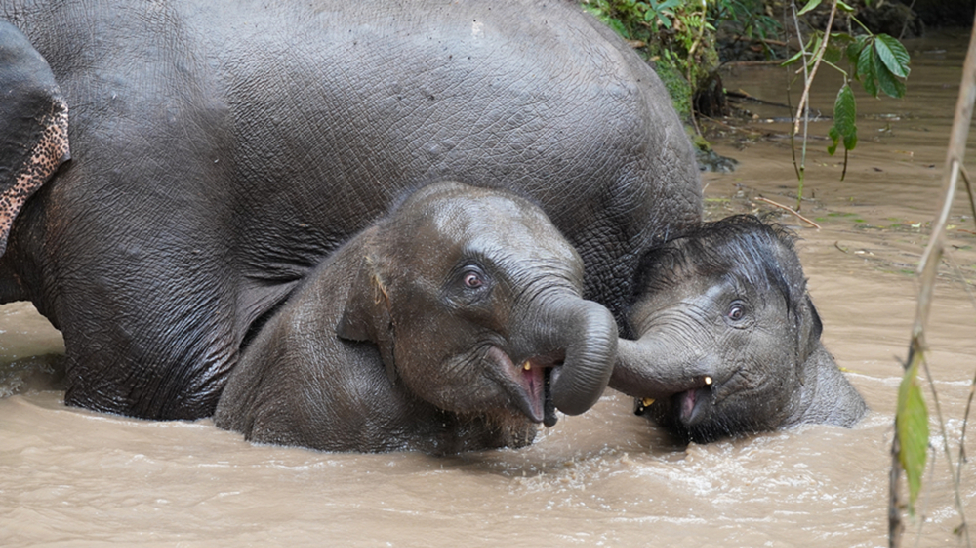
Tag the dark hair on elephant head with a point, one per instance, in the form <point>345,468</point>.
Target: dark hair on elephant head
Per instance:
<point>761,255</point>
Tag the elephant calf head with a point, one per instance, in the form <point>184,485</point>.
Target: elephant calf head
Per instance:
<point>729,340</point>
<point>455,323</point>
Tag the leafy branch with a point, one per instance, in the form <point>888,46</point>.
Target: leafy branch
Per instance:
<point>909,446</point>
<point>878,61</point>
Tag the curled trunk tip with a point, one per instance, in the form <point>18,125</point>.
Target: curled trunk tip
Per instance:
<point>591,348</point>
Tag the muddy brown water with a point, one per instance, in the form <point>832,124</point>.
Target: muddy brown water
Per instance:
<point>69,477</point>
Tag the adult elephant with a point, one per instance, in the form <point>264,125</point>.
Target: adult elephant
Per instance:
<point>222,148</point>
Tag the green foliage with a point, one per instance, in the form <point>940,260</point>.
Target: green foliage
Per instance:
<point>814,4</point>
<point>629,18</point>
<point>912,423</point>
<point>744,18</point>
<point>677,86</point>
<point>679,34</point>
<point>845,120</point>
<point>807,8</point>
<point>672,32</point>
<point>878,61</point>
<point>661,13</point>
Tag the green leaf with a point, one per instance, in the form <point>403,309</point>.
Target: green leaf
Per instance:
<point>865,70</point>
<point>832,54</point>
<point>811,5</point>
<point>844,7</point>
<point>891,86</point>
<point>845,120</point>
<point>893,54</point>
<point>854,50</point>
<point>816,40</point>
<point>792,60</point>
<point>619,27</point>
<point>850,141</point>
<point>912,423</point>
<point>841,39</point>
<point>845,111</point>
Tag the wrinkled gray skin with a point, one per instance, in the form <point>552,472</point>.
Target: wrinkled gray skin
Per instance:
<point>727,302</point>
<point>469,302</point>
<point>223,148</point>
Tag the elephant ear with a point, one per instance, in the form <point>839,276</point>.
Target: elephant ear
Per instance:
<point>810,329</point>
<point>366,317</point>
<point>33,125</point>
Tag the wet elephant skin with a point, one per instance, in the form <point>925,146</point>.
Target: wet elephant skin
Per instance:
<point>221,149</point>
<point>729,341</point>
<point>454,324</point>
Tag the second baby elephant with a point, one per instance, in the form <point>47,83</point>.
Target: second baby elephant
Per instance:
<point>455,323</point>
<point>729,340</point>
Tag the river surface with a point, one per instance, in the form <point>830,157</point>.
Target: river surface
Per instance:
<point>69,477</point>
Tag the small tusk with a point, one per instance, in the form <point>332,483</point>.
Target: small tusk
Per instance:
<point>646,402</point>
<point>708,381</point>
<point>527,366</point>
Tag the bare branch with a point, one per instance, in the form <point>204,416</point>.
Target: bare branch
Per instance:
<point>805,98</point>
<point>790,209</point>
<point>929,266</point>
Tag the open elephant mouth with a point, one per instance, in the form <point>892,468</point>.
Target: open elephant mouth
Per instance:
<point>690,404</point>
<point>531,392</point>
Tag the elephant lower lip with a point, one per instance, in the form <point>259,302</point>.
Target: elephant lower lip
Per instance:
<point>690,403</point>
<point>530,390</point>
<point>534,383</point>
<point>550,408</point>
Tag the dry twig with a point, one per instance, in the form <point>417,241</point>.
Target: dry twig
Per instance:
<point>790,209</point>
<point>927,271</point>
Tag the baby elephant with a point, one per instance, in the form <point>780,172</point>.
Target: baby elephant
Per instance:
<point>456,323</point>
<point>729,341</point>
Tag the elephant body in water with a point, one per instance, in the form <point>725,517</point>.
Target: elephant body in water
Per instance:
<point>729,339</point>
<point>220,149</point>
<point>454,324</point>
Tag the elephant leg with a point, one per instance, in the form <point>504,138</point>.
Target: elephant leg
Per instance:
<point>154,343</point>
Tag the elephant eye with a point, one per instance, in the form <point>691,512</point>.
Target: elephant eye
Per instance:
<point>473,280</point>
<point>736,311</point>
<point>473,277</point>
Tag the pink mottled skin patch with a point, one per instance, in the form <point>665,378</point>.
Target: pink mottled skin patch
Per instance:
<point>46,156</point>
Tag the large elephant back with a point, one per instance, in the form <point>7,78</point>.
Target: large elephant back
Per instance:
<point>222,148</point>
<point>378,99</point>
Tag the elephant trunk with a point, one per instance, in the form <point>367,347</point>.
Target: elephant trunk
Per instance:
<point>586,334</point>
<point>649,368</point>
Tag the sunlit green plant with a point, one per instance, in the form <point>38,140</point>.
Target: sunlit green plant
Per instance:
<point>878,61</point>
<point>677,33</point>
<point>680,34</point>
<point>661,13</point>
